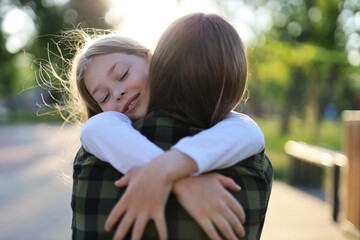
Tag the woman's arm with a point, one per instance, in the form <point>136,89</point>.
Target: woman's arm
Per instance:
<point>110,137</point>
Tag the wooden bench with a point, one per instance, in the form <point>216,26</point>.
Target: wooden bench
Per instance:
<point>307,167</point>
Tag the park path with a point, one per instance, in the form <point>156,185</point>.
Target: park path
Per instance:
<point>296,215</point>
<point>35,191</point>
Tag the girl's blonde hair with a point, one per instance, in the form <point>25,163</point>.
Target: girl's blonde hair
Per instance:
<point>77,104</point>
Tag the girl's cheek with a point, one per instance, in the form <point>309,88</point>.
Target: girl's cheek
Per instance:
<point>106,108</point>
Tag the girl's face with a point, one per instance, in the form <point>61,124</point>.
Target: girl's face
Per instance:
<point>119,82</point>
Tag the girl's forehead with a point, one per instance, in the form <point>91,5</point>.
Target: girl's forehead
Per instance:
<point>112,57</point>
<point>120,59</point>
<point>102,66</point>
<point>106,63</point>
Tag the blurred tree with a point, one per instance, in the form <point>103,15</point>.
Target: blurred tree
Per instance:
<point>91,13</point>
<point>303,59</point>
<point>7,72</point>
<point>49,17</point>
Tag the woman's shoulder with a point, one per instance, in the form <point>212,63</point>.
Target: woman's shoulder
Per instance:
<point>163,130</point>
<point>87,167</point>
<point>93,196</point>
<point>83,157</point>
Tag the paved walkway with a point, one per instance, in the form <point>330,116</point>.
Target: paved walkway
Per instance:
<point>35,200</point>
<point>296,215</point>
<point>34,195</point>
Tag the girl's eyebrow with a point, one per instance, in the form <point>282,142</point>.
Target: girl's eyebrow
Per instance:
<point>108,73</point>
<point>111,69</point>
<point>95,90</point>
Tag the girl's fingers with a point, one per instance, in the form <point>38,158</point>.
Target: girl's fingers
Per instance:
<point>224,227</point>
<point>209,229</point>
<point>228,183</point>
<point>139,227</point>
<point>161,226</point>
<point>236,208</point>
<point>124,226</point>
<point>234,222</point>
<point>115,215</point>
<point>122,182</point>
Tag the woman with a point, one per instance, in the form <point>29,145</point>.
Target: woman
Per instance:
<point>197,75</point>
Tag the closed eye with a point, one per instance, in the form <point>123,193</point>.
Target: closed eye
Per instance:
<point>125,74</point>
<point>105,98</point>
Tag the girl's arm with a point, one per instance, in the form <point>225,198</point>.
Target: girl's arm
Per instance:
<point>110,137</point>
<point>210,188</point>
<point>222,213</point>
<point>233,139</point>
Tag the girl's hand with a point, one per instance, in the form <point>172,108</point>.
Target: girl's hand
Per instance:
<point>144,199</point>
<point>210,204</point>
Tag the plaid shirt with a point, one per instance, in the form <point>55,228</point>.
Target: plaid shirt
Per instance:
<point>94,193</point>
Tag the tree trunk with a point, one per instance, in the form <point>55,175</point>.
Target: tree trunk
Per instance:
<point>312,110</point>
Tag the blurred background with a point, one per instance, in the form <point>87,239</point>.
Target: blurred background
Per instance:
<point>304,65</point>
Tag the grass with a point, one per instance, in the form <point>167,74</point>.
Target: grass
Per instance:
<point>28,115</point>
<point>329,135</point>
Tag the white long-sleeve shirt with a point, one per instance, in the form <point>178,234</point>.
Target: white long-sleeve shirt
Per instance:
<point>111,138</point>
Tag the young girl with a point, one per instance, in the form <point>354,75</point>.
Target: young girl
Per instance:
<point>129,94</point>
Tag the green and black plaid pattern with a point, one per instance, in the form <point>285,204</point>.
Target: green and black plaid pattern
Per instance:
<point>94,193</point>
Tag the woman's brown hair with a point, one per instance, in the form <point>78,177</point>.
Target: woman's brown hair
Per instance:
<point>198,72</point>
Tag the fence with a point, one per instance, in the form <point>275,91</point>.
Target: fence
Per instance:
<point>307,168</point>
<point>352,150</point>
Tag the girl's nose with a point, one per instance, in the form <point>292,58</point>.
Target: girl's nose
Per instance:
<point>121,93</point>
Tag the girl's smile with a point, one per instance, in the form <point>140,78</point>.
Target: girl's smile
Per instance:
<point>119,82</point>
<point>131,104</point>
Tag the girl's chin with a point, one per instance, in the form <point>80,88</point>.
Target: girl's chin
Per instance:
<point>136,116</point>
<point>133,117</point>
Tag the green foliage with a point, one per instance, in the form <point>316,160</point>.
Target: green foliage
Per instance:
<point>17,75</point>
<point>330,136</point>
<point>302,63</point>
<point>29,115</point>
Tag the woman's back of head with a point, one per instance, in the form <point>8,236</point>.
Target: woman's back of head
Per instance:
<point>198,71</point>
